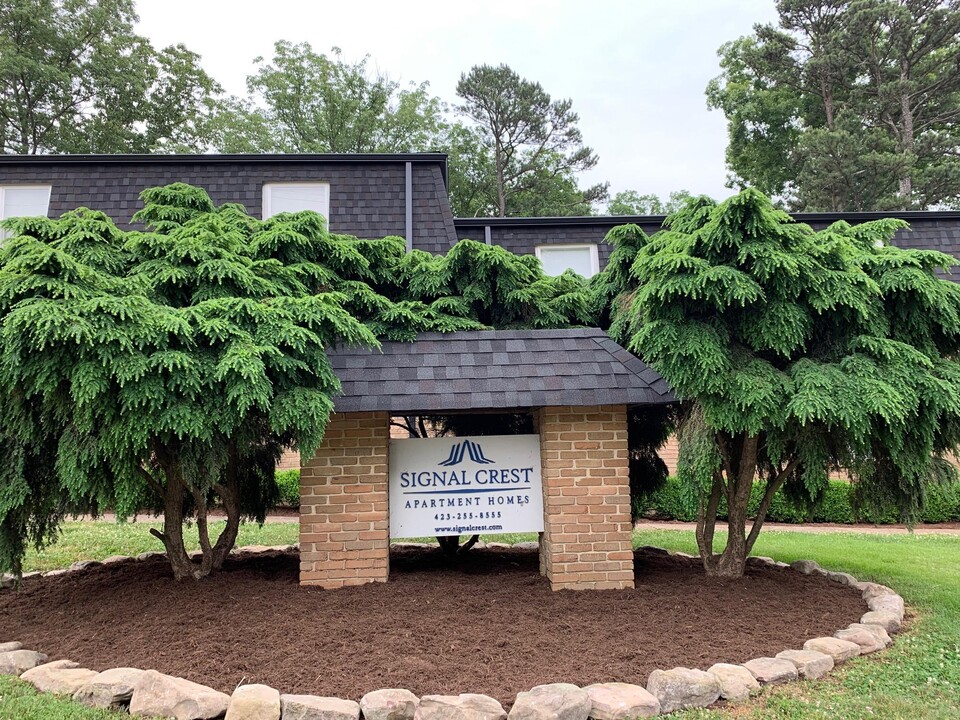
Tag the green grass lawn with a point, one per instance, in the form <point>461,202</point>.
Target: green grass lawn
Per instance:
<point>918,678</point>
<point>99,540</point>
<point>19,701</point>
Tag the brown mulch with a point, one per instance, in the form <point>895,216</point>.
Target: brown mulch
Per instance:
<point>490,624</point>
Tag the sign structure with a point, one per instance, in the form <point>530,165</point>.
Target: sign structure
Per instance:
<point>465,486</point>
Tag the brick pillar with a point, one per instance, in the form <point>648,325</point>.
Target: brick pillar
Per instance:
<point>587,538</point>
<point>344,518</point>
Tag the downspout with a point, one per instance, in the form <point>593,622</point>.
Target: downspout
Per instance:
<point>487,235</point>
<point>408,195</point>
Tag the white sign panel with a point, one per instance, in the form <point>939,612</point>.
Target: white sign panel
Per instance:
<point>465,486</point>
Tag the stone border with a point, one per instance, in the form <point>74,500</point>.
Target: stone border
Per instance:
<point>150,693</point>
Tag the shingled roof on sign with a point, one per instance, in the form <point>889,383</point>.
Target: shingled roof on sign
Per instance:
<point>495,369</point>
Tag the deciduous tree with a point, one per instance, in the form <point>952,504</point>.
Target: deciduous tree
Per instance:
<point>630,202</point>
<point>794,353</point>
<point>75,78</point>
<point>846,105</point>
<point>309,102</point>
<point>471,184</point>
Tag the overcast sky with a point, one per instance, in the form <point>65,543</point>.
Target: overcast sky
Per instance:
<point>636,71</point>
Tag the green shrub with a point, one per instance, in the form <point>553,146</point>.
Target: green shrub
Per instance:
<point>836,506</point>
<point>781,509</point>
<point>942,505</point>
<point>288,482</point>
<point>666,502</point>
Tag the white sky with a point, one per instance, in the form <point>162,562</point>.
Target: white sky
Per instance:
<point>636,71</point>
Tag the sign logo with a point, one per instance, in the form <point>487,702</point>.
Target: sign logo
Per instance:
<point>474,451</point>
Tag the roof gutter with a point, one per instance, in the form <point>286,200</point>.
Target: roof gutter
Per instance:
<point>339,158</point>
<point>610,220</point>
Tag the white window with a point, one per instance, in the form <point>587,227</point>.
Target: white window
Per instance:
<point>24,201</point>
<point>294,197</point>
<point>582,259</point>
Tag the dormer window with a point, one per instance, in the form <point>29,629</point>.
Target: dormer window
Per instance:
<point>24,201</point>
<point>557,259</point>
<point>294,197</point>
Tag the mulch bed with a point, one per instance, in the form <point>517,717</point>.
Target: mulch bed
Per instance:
<point>489,624</point>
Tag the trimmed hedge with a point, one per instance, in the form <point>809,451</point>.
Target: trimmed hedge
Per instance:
<point>943,505</point>
<point>288,482</point>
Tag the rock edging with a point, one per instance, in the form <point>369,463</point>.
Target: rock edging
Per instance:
<point>149,693</point>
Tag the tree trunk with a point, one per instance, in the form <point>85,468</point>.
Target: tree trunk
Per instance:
<point>735,482</point>
<point>451,547</point>
<point>906,142</point>
<point>732,561</point>
<point>707,519</point>
<point>172,534</point>
<point>773,484</point>
<point>501,181</point>
<point>826,92</point>
<point>229,492</point>
<point>213,555</point>
<point>739,482</point>
<point>449,544</point>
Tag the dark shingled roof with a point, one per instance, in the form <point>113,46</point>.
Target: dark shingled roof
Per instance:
<point>495,369</point>
<point>929,230</point>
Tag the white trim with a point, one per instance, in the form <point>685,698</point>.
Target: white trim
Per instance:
<point>4,188</point>
<point>3,201</point>
<point>267,195</point>
<point>592,247</point>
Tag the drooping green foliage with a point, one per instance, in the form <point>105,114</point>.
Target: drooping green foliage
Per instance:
<point>648,428</point>
<point>795,352</point>
<point>612,287</point>
<point>174,363</point>
<point>615,282</point>
<point>473,286</point>
<point>169,368</point>
<point>496,288</point>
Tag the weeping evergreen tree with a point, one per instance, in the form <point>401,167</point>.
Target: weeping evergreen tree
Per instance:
<point>167,367</point>
<point>794,353</point>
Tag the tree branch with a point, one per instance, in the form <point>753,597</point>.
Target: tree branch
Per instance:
<point>707,519</point>
<point>771,490</point>
<point>151,481</point>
